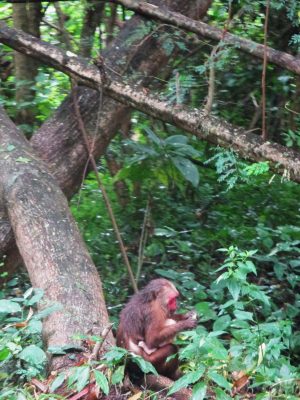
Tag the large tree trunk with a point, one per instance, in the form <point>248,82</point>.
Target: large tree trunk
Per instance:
<point>59,141</point>
<point>26,17</point>
<point>49,241</point>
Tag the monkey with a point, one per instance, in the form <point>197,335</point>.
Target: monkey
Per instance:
<point>148,325</point>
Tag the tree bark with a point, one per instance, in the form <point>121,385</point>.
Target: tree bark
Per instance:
<point>26,17</point>
<point>49,241</point>
<point>59,141</point>
<point>276,57</point>
<point>198,122</point>
<point>92,18</point>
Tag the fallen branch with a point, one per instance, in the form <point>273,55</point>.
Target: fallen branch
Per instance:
<point>195,121</point>
<point>277,57</point>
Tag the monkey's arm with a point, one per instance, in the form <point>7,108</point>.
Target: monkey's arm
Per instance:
<point>190,314</point>
<point>157,335</point>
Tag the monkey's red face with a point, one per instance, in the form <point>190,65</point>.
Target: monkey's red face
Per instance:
<point>172,304</point>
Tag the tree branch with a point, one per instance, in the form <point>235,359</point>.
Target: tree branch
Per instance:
<point>197,122</point>
<point>277,57</point>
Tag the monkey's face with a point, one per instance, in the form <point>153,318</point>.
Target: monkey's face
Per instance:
<point>171,294</point>
<point>172,303</point>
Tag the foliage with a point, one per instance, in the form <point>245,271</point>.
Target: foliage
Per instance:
<point>161,159</point>
<point>240,335</point>
<point>21,354</point>
<point>108,371</point>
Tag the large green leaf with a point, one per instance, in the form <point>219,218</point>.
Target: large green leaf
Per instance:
<point>243,315</point>
<point>58,381</point>
<point>187,379</point>
<point>187,169</point>
<point>83,378</point>
<point>219,379</point>
<point>34,355</point>
<point>101,381</point>
<point>145,366</point>
<point>118,375</point>
<point>8,306</point>
<point>176,139</point>
<point>199,391</point>
<point>234,288</point>
<point>222,323</point>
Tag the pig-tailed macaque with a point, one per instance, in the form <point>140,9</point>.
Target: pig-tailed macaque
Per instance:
<point>148,325</point>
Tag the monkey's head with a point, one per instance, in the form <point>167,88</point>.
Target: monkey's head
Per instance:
<point>169,296</point>
<point>163,291</point>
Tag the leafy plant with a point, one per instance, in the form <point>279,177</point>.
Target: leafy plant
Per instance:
<point>108,371</point>
<point>163,159</point>
<point>292,138</point>
<point>242,342</point>
<point>21,353</point>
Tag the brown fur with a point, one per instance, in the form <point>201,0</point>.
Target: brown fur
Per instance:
<point>146,318</point>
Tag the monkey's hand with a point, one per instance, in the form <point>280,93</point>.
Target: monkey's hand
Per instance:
<point>191,322</point>
<point>191,314</point>
<point>146,349</point>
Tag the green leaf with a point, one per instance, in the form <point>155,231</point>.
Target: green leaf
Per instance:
<point>234,288</point>
<point>47,311</point>
<point>116,354</point>
<point>154,138</point>
<point>144,365</point>
<point>24,160</point>
<point>187,169</point>
<point>8,306</point>
<point>167,232</point>
<point>187,379</point>
<point>58,381</point>
<point>176,139</point>
<point>204,309</point>
<point>243,315</point>
<point>118,375</point>
<point>34,355</point>
<point>83,378</point>
<point>38,294</point>
<point>221,395</point>
<point>34,326</point>
<point>101,381</point>
<point>222,323</point>
<point>10,147</point>
<point>4,354</point>
<point>199,391</point>
<point>251,267</point>
<point>219,379</point>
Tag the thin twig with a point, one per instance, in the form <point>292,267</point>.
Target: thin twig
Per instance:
<point>143,241</point>
<point>213,59</point>
<point>264,72</point>
<point>102,188</point>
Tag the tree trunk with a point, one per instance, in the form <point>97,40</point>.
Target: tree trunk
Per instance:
<point>49,242</point>
<point>26,17</point>
<point>59,141</point>
<point>92,18</point>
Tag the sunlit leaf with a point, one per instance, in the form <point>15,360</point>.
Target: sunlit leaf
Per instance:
<point>101,381</point>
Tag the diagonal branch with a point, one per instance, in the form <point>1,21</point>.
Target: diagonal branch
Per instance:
<point>197,122</point>
<point>277,57</point>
